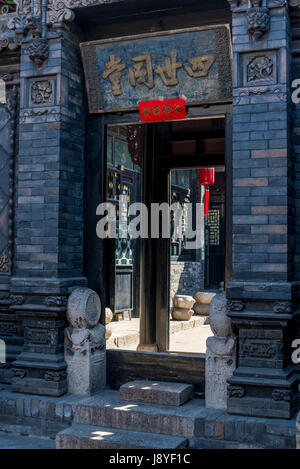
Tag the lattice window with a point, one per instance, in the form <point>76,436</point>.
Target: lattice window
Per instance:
<point>213,222</point>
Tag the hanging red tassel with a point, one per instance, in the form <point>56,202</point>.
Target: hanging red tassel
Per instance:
<point>206,201</point>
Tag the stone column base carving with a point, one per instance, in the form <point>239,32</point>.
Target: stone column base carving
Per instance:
<point>220,360</point>
<point>85,343</point>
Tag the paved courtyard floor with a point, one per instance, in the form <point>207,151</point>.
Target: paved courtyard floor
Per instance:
<point>186,336</point>
<point>14,441</point>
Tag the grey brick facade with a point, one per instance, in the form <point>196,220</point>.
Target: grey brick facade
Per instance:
<point>263,207</point>
<point>52,143</point>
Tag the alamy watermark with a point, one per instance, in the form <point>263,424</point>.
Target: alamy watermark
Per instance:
<point>296,352</point>
<point>2,351</point>
<point>2,92</point>
<point>166,221</point>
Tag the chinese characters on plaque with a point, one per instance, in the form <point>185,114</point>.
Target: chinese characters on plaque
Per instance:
<point>142,72</point>
<point>194,64</point>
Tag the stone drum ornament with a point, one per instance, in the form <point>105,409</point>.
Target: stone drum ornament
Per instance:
<point>84,308</point>
<point>85,343</point>
<point>220,359</point>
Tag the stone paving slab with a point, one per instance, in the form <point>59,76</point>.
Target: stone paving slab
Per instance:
<point>185,336</point>
<point>93,437</point>
<point>156,392</point>
<point>15,441</point>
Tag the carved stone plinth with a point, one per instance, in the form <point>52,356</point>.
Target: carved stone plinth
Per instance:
<point>12,336</point>
<point>85,343</point>
<point>264,383</point>
<point>220,360</point>
<point>85,357</point>
<point>40,368</point>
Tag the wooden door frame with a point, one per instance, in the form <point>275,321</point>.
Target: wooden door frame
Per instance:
<point>95,249</point>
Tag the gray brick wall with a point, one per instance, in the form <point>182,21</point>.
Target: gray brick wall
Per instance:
<point>262,295</point>
<point>50,173</point>
<point>261,156</point>
<point>186,278</point>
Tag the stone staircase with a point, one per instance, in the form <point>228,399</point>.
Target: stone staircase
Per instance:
<point>120,419</point>
<point>143,414</point>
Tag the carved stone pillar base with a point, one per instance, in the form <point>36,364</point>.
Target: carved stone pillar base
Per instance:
<point>85,343</point>
<point>265,382</point>
<point>220,358</point>
<point>42,378</point>
<point>11,333</point>
<point>86,359</point>
<point>40,368</point>
<point>267,393</point>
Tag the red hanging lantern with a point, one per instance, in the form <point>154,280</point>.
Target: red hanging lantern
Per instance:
<point>207,179</point>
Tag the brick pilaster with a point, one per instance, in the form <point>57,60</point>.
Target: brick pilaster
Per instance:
<point>49,219</point>
<point>261,296</point>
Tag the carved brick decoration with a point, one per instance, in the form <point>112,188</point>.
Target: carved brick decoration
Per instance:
<point>19,373</point>
<point>258,349</point>
<point>258,18</point>
<point>7,157</point>
<point>236,391</point>
<point>59,10</point>
<point>4,262</point>
<point>38,50</point>
<point>235,306</point>
<point>281,395</point>
<point>260,68</point>
<point>8,329</point>
<point>275,91</point>
<point>283,307</point>
<point>10,300</point>
<point>16,299</point>
<point>38,336</point>
<point>55,376</point>
<point>56,300</point>
<point>42,92</point>
<point>7,7</point>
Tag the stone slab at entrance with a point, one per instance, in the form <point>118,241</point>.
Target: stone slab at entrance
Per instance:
<point>42,416</point>
<point>92,437</point>
<point>156,392</point>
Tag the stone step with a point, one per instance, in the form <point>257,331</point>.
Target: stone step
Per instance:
<point>94,437</point>
<point>106,409</point>
<point>156,392</point>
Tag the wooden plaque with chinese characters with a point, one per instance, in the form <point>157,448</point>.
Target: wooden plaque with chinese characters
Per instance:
<point>194,64</point>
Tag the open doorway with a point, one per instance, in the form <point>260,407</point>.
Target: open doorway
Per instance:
<point>197,272</point>
<point>160,163</point>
